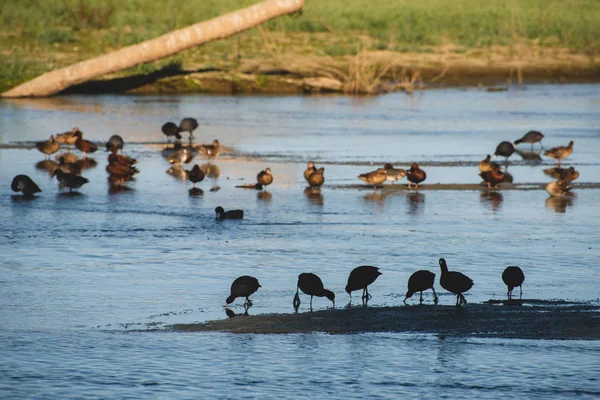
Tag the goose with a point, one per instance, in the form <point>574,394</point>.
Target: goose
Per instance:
<point>455,282</point>
<point>513,276</point>
<point>420,281</point>
<point>360,278</point>
<point>25,185</point>
<point>312,285</point>
<point>244,286</point>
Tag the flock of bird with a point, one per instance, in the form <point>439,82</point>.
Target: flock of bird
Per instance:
<point>361,277</point>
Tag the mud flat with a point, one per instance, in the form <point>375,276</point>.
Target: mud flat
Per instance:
<point>533,320</point>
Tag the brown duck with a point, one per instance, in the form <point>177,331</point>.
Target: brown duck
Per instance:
<point>67,138</point>
<point>264,178</point>
<point>493,177</point>
<point>48,147</point>
<point>195,175</point>
<point>565,174</point>
<point>310,168</point>
<point>316,179</point>
<point>558,188</point>
<point>209,150</point>
<point>488,165</point>
<point>85,146</point>
<point>373,178</point>
<point>392,174</point>
<point>121,159</point>
<point>560,152</point>
<point>415,175</point>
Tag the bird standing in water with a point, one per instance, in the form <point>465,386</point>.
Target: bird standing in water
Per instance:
<point>312,285</point>
<point>455,282</point>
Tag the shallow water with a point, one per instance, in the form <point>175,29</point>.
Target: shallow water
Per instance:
<point>78,272</point>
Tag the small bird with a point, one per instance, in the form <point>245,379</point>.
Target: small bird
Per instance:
<point>67,138</point>
<point>310,168</point>
<point>171,129</point>
<point>120,173</point>
<point>188,125</point>
<point>420,281</point>
<point>392,174</point>
<point>312,285</point>
<point>25,185</point>
<point>374,178</point>
<point>264,177</point>
<point>565,174</point>
<point>415,175</point>
<point>513,277</point>
<point>85,146</point>
<point>209,150</point>
<point>492,177</point>
<point>316,179</point>
<point>531,137</point>
<point>504,149</point>
<point>557,188</point>
<point>488,165</point>
<point>48,147</point>
<point>195,175</point>
<point>231,214</point>
<point>183,155</point>
<point>115,143</point>
<point>455,282</point>
<point>244,286</point>
<point>560,152</point>
<point>360,278</point>
<point>69,180</point>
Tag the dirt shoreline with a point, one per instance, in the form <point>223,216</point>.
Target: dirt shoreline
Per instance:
<point>538,320</point>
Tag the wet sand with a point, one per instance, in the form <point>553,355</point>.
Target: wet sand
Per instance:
<point>533,320</point>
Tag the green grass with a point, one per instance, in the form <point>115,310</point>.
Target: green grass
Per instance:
<point>40,35</point>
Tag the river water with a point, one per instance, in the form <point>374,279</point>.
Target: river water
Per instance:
<point>90,283</point>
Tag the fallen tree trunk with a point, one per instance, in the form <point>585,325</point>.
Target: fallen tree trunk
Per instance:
<point>171,43</point>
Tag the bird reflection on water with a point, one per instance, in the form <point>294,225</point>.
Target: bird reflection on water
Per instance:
<point>415,202</point>
<point>264,196</point>
<point>560,204</point>
<point>530,157</point>
<point>231,314</point>
<point>314,196</point>
<point>46,165</point>
<point>211,170</point>
<point>177,172</point>
<point>494,198</point>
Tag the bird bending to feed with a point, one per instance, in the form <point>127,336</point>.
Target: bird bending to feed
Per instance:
<point>48,147</point>
<point>312,285</point>
<point>67,138</point>
<point>493,177</point>
<point>85,146</point>
<point>209,150</point>
<point>231,214</point>
<point>25,185</point>
<point>558,188</point>
<point>504,149</point>
<point>531,137</point>
<point>115,143</point>
<point>171,129</point>
<point>244,286</point>
<point>69,180</point>
<point>560,152</point>
<point>183,155</point>
<point>373,178</point>
<point>392,174</point>
<point>310,168</point>
<point>360,278</point>
<point>415,175</point>
<point>455,282</point>
<point>488,165</point>
<point>564,174</point>
<point>265,177</point>
<point>317,178</point>
<point>420,281</point>
<point>188,125</point>
<point>513,277</point>
<point>195,175</point>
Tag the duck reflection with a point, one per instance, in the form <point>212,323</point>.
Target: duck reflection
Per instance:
<point>211,170</point>
<point>530,157</point>
<point>415,202</point>
<point>195,191</point>
<point>87,163</point>
<point>264,196</point>
<point>231,314</point>
<point>115,187</point>
<point>69,166</point>
<point>565,174</point>
<point>177,172</point>
<point>376,197</point>
<point>47,165</point>
<point>314,196</point>
<point>560,204</point>
<point>494,198</point>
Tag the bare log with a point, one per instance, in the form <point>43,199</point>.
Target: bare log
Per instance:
<point>166,45</point>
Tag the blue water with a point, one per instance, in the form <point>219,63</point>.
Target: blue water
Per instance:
<point>85,280</point>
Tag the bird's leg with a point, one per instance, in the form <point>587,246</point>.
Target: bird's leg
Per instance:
<point>421,298</point>
<point>435,298</point>
<point>405,300</point>
<point>463,298</point>
<point>409,185</point>
<point>364,291</point>
<point>417,187</point>
<point>457,300</point>
<point>311,297</point>
<point>520,292</point>
<point>508,294</point>
<point>296,301</point>
<point>489,185</point>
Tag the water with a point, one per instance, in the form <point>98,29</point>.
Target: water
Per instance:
<point>82,277</point>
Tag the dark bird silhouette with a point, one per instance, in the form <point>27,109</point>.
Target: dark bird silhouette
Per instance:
<point>531,137</point>
<point>244,286</point>
<point>420,281</point>
<point>317,178</point>
<point>231,214</point>
<point>264,178</point>
<point>48,147</point>
<point>85,146</point>
<point>25,185</point>
<point>455,282</point>
<point>69,180</point>
<point>195,175</point>
<point>504,149</point>
<point>171,129</point>
<point>115,143</point>
<point>513,277</point>
<point>560,152</point>
<point>310,168</point>
<point>488,165</point>
<point>188,125</point>
<point>415,175</point>
<point>312,285</point>
<point>492,177</point>
<point>360,278</point>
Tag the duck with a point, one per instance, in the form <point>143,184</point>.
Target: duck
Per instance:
<point>513,276</point>
<point>244,286</point>
<point>170,129</point>
<point>264,178</point>
<point>487,164</point>
<point>310,168</point>
<point>493,177</point>
<point>209,150</point>
<point>415,175</point>
<point>360,278</point>
<point>115,143</point>
<point>188,125</point>
<point>48,147</point>
<point>560,152</point>
<point>195,175</point>
<point>420,281</point>
<point>71,167</point>
<point>69,180</point>
<point>374,178</point>
<point>121,159</point>
<point>558,188</point>
<point>531,137</point>
<point>231,214</point>
<point>120,173</point>
<point>565,174</point>
<point>85,146</point>
<point>504,149</point>
<point>392,174</point>
<point>312,285</point>
<point>25,185</point>
<point>67,138</point>
<point>183,155</point>
<point>455,282</point>
<point>317,178</point>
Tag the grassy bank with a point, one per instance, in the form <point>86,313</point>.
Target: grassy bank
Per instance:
<point>39,36</point>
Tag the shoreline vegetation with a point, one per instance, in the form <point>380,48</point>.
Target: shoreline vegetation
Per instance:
<point>358,47</point>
